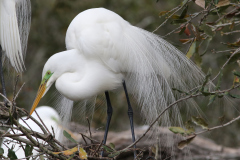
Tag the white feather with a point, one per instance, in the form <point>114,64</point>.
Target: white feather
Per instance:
<point>15,17</point>
<point>104,50</point>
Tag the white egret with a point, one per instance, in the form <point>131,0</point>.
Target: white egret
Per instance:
<point>104,52</point>
<point>49,117</point>
<point>15,17</point>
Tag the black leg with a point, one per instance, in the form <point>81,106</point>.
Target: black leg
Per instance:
<point>130,115</point>
<point>1,74</point>
<point>109,116</point>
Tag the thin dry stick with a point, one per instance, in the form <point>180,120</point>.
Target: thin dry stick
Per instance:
<point>33,119</point>
<point>171,105</point>
<point>84,139</point>
<point>29,128</point>
<point>89,129</point>
<point>42,122</point>
<point>5,98</point>
<point>89,138</point>
<point>18,92</point>
<point>179,8</point>
<point>44,149</point>
<point>100,145</point>
<point>151,125</point>
<point>234,53</point>
<point>15,86</point>
<point>220,126</point>
<point>235,9</point>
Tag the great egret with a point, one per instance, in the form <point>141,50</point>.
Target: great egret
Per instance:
<point>104,52</point>
<point>49,117</point>
<point>15,17</point>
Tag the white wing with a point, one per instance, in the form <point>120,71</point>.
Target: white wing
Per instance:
<point>15,18</point>
<point>151,65</point>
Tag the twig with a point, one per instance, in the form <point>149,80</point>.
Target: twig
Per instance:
<point>44,149</point>
<point>179,8</point>
<point>5,98</point>
<point>33,119</point>
<point>15,86</point>
<point>89,129</point>
<point>18,92</point>
<point>89,138</point>
<point>220,126</point>
<point>29,128</point>
<point>234,53</point>
<point>151,125</point>
<point>227,33</point>
<point>204,16</point>
<point>97,148</point>
<point>235,9</point>
<point>42,122</point>
<point>84,139</point>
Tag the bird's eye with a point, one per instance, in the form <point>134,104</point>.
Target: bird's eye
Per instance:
<point>48,72</point>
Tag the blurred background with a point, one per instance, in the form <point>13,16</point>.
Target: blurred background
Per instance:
<point>50,20</point>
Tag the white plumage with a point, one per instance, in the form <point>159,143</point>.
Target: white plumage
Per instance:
<point>103,50</point>
<point>15,17</point>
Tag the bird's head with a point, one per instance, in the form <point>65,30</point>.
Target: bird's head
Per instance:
<point>46,83</point>
<point>55,66</point>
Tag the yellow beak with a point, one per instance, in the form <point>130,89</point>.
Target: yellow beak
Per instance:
<point>40,93</point>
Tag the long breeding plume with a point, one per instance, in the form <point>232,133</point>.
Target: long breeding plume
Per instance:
<point>15,19</point>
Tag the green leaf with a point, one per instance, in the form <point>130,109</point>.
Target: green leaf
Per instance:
<point>192,49</point>
<point>163,13</point>
<point>28,151</point>
<point>206,78</point>
<point>207,93</point>
<point>200,122</point>
<point>184,12</point>
<point>178,21</point>
<point>177,130</point>
<point>233,95</point>
<point>180,91</point>
<point>235,58</point>
<point>112,146</point>
<point>211,99</point>
<point>189,127</point>
<point>207,30</point>
<point>184,143</point>
<point>219,81</point>
<point>11,154</point>
<point>182,30</point>
<point>209,39</point>
<point>236,73</point>
<point>108,149</point>
<point>198,59</point>
<point>1,151</point>
<point>68,136</point>
<point>114,154</point>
